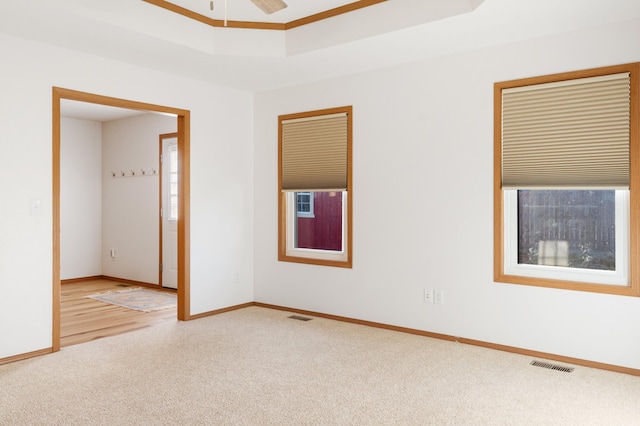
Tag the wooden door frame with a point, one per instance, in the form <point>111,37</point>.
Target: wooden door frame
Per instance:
<point>183,133</point>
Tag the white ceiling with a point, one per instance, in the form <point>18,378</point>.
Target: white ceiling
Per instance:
<point>94,112</point>
<point>382,35</point>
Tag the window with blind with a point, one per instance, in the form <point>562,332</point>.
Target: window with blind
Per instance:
<point>315,187</point>
<point>565,184</point>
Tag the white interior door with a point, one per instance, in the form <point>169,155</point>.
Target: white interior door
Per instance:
<point>169,193</point>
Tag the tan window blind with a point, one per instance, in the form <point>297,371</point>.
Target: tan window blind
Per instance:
<point>314,153</point>
<point>568,134</point>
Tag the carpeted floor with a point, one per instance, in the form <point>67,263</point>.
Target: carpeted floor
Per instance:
<point>255,366</point>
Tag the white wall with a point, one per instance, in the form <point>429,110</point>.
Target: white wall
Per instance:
<point>423,204</point>
<point>221,180</point>
<point>437,234</point>
<point>130,224</point>
<point>80,198</point>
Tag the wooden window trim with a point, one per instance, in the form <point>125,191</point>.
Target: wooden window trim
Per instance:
<point>282,196</point>
<point>633,289</point>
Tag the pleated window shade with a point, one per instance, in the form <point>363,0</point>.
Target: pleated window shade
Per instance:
<point>314,153</point>
<point>568,134</point>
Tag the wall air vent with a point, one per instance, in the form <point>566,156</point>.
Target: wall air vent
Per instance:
<point>552,366</point>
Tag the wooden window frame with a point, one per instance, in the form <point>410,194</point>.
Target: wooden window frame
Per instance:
<point>633,286</point>
<point>282,195</point>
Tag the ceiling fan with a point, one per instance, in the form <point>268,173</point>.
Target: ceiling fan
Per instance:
<point>267,6</point>
<point>270,6</point>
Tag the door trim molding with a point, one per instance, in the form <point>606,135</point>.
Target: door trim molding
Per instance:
<point>183,133</point>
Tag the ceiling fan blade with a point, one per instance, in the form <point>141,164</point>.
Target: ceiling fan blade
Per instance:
<point>270,6</point>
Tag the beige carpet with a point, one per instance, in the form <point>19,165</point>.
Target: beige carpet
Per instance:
<point>257,367</point>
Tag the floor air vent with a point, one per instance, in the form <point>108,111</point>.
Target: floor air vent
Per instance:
<point>300,318</point>
<point>552,366</point>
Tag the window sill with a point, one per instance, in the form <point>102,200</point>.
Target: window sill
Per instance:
<point>314,261</point>
<point>620,290</point>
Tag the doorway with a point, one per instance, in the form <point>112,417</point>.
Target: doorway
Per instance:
<point>182,200</point>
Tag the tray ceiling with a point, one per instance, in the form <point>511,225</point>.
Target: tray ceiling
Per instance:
<point>377,36</point>
<point>245,14</point>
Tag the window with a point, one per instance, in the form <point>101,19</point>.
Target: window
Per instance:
<point>305,204</point>
<point>573,228</point>
<point>574,235</point>
<point>315,187</point>
<point>173,182</point>
<point>566,167</point>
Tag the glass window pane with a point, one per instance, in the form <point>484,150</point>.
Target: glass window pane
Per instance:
<point>173,158</point>
<point>173,182</point>
<point>323,230</point>
<point>173,210</point>
<point>571,228</point>
<point>304,202</point>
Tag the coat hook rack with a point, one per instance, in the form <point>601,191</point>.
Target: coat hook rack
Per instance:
<point>133,173</point>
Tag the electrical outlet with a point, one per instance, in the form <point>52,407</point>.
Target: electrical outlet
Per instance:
<point>428,296</point>
<point>438,297</point>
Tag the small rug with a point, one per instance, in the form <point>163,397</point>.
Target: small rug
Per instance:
<point>138,299</point>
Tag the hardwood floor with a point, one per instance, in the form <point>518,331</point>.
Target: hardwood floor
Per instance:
<point>83,319</point>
